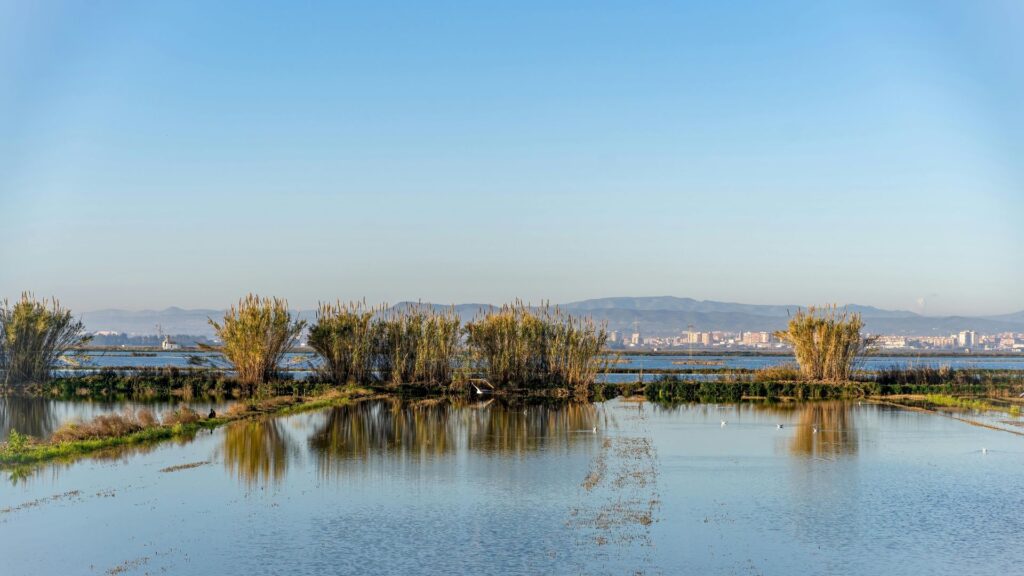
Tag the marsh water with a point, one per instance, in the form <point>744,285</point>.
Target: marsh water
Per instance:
<point>620,487</point>
<point>304,362</point>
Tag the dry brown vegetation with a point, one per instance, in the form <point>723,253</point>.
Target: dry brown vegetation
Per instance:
<point>256,334</point>
<point>180,415</point>
<point>826,341</point>
<point>105,426</point>
<point>518,346</point>
<point>33,336</point>
<point>781,373</point>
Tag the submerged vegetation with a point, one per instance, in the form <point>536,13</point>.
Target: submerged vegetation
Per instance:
<point>34,334</point>
<point>256,334</point>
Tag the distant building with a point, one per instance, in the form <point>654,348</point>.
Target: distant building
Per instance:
<point>967,339</point>
<point>635,339</point>
<point>168,344</point>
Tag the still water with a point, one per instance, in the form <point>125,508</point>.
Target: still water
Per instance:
<point>40,417</point>
<point>305,362</point>
<point>613,488</point>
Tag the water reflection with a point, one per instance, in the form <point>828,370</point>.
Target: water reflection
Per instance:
<point>257,451</point>
<point>825,430</point>
<point>431,429</point>
<point>27,415</point>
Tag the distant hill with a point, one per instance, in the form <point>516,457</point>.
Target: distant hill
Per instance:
<point>657,315</point>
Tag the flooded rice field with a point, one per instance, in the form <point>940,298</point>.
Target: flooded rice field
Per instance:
<point>305,362</point>
<point>384,487</point>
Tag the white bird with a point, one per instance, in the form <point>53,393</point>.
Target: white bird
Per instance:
<point>984,450</point>
<point>779,426</point>
<point>724,423</point>
<point>594,429</point>
<point>814,430</point>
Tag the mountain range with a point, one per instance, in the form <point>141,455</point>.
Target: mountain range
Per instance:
<point>653,316</point>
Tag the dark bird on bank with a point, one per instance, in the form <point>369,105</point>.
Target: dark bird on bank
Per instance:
<point>212,414</point>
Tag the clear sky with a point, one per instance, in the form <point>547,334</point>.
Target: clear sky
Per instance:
<point>185,153</point>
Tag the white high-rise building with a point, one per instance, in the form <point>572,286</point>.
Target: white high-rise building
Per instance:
<point>967,339</point>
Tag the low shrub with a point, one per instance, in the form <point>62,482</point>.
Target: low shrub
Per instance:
<point>182,415</point>
<point>103,426</point>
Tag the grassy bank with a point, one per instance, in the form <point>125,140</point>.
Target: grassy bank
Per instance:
<point>784,382</point>
<point>107,432</point>
<point>165,382</point>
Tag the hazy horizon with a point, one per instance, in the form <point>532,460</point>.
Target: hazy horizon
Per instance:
<point>184,153</point>
<point>529,302</point>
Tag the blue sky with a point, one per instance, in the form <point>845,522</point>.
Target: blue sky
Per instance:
<point>179,153</point>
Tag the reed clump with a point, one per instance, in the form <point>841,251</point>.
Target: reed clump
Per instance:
<point>34,334</point>
<point>344,338</point>
<point>414,345</point>
<point>256,334</point>
<point>418,345</point>
<point>826,341</point>
<point>517,346</point>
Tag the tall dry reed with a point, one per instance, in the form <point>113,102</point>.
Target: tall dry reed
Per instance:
<point>343,336</point>
<point>412,345</point>
<point>34,334</point>
<point>826,342</point>
<point>256,334</point>
<point>519,346</point>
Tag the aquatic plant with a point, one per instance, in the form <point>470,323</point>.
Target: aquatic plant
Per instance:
<point>256,334</point>
<point>34,334</point>
<point>670,388</point>
<point>826,342</point>
<point>343,336</point>
<point>143,382</point>
<point>418,344</point>
<point>957,402</point>
<point>518,346</point>
<point>780,373</point>
<point>412,345</point>
<point>15,445</point>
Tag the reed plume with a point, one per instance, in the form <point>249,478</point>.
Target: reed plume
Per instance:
<point>517,346</point>
<point>826,342</point>
<point>255,335</point>
<point>412,345</point>
<point>33,336</point>
<point>343,336</point>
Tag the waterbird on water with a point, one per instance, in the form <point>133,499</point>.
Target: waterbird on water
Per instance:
<point>779,426</point>
<point>984,450</point>
<point>724,423</point>
<point>814,430</point>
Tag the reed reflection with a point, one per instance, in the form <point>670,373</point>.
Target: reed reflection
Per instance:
<point>825,430</point>
<point>437,428</point>
<point>32,416</point>
<point>257,451</point>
